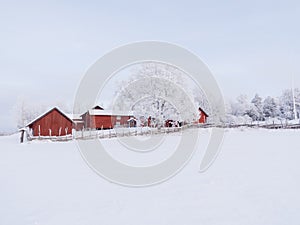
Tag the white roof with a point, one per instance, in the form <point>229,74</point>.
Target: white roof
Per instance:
<point>74,116</point>
<point>132,119</point>
<point>97,112</point>
<point>43,114</point>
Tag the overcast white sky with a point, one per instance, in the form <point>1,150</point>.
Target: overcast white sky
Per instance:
<point>46,47</point>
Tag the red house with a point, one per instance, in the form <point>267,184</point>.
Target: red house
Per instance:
<point>98,118</point>
<point>202,116</point>
<point>52,123</point>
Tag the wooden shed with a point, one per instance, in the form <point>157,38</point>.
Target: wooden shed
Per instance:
<point>202,116</point>
<point>52,123</point>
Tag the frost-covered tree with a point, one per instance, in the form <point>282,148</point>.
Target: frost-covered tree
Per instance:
<point>21,113</point>
<point>297,101</point>
<point>281,107</point>
<point>200,99</point>
<point>241,106</point>
<point>253,112</point>
<point>286,104</point>
<point>160,91</point>
<point>25,111</point>
<point>270,108</point>
<point>242,111</point>
<point>257,108</point>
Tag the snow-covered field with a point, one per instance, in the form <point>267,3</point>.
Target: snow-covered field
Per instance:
<point>255,180</point>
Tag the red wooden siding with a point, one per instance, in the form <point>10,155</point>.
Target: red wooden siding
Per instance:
<point>104,121</point>
<point>202,116</point>
<point>53,120</point>
<point>78,125</point>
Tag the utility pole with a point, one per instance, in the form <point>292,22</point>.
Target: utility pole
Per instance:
<point>294,99</point>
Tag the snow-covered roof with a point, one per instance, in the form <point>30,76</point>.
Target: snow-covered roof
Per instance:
<point>73,116</point>
<point>132,119</point>
<point>97,107</point>
<point>78,121</point>
<point>45,113</point>
<point>96,112</point>
<point>200,109</point>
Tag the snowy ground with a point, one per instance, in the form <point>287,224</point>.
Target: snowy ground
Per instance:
<point>255,180</point>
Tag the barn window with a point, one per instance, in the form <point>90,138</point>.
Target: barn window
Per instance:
<point>118,117</point>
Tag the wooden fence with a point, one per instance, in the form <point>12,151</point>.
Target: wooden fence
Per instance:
<point>141,131</point>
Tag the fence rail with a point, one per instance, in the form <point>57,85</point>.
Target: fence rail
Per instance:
<point>141,131</point>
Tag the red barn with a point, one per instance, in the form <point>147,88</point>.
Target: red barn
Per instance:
<point>52,123</point>
<point>97,118</point>
<point>202,116</point>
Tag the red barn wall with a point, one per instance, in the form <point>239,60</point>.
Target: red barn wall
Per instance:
<point>105,121</point>
<point>86,120</point>
<point>202,118</point>
<point>78,125</point>
<point>124,120</point>
<point>54,120</point>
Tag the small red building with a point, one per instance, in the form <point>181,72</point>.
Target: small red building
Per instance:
<point>202,116</point>
<point>98,118</point>
<point>52,123</point>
